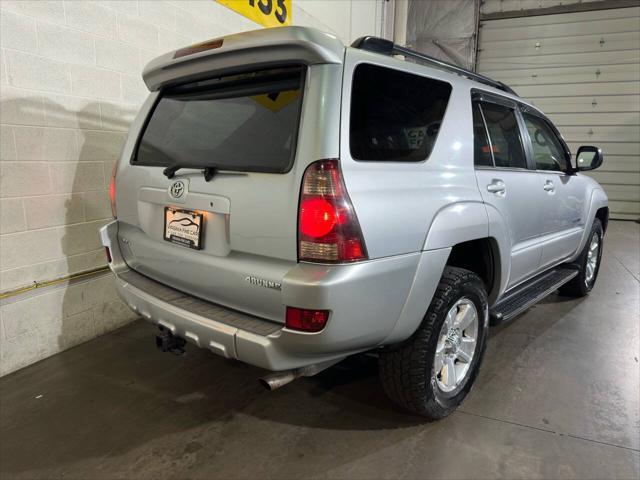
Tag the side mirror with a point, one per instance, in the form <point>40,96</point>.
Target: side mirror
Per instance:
<point>588,158</point>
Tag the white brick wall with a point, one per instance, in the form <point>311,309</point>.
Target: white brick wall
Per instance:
<point>69,87</point>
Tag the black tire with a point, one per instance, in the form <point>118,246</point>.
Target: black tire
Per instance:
<point>407,371</point>
<point>579,286</point>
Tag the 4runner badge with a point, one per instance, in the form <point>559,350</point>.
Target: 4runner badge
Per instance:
<point>261,282</point>
<point>177,189</point>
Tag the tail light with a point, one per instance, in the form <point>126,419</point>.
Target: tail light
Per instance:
<point>328,229</point>
<point>112,190</point>
<point>306,320</point>
<point>108,253</point>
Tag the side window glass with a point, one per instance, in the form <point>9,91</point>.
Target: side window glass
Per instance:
<point>547,149</point>
<point>504,135</point>
<point>395,116</point>
<point>481,146</point>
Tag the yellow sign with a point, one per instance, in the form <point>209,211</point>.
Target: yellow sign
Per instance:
<point>270,13</point>
<point>276,101</point>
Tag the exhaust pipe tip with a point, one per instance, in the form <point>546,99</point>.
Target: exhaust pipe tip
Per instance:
<point>277,380</point>
<point>265,384</point>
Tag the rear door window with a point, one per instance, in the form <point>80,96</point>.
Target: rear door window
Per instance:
<point>395,116</point>
<point>246,122</point>
<point>504,135</point>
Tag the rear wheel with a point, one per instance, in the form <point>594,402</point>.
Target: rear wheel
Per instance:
<point>588,264</point>
<point>432,372</point>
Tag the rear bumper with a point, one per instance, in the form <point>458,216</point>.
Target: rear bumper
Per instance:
<point>225,332</point>
<point>366,301</point>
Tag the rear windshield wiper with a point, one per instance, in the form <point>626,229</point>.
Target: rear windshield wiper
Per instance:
<point>170,172</point>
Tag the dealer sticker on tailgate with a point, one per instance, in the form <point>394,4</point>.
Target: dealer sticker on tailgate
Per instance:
<point>183,227</point>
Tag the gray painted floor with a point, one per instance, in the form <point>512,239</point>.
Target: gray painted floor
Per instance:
<point>558,397</point>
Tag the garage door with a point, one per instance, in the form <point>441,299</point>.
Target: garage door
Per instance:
<point>583,70</point>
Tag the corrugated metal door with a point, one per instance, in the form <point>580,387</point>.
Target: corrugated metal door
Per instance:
<point>583,70</point>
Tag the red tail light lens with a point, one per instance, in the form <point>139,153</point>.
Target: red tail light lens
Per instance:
<point>306,320</point>
<point>112,190</point>
<point>108,253</point>
<point>328,229</point>
<point>317,217</point>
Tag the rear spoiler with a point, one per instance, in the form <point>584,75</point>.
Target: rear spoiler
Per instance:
<point>257,49</point>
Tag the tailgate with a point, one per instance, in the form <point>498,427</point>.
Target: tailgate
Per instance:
<point>232,237</point>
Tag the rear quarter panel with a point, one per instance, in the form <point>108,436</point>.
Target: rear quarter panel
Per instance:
<point>397,202</point>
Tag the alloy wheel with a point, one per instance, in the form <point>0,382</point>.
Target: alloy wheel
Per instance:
<point>456,345</point>
<point>592,258</point>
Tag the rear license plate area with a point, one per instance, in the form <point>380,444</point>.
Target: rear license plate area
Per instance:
<point>183,227</point>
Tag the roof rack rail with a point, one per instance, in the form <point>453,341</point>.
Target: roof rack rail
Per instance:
<point>387,47</point>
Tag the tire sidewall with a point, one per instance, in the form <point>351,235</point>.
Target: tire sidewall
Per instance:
<point>475,292</point>
<point>596,229</point>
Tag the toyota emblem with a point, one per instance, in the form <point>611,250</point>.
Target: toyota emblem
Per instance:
<point>177,189</point>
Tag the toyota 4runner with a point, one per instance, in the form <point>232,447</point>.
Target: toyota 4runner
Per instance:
<point>286,201</point>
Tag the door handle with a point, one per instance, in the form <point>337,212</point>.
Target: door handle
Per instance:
<point>549,186</point>
<point>497,186</point>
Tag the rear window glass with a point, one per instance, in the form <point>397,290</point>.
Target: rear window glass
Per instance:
<point>245,122</point>
<point>395,116</point>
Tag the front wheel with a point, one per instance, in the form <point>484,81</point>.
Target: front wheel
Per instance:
<point>433,371</point>
<point>588,264</point>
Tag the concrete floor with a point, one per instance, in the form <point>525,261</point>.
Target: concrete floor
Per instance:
<point>558,397</point>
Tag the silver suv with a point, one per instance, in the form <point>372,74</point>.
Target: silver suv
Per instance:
<point>286,201</point>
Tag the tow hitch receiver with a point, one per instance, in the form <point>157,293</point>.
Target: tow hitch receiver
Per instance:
<point>167,342</point>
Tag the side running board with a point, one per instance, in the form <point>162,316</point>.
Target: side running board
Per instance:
<point>530,293</point>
